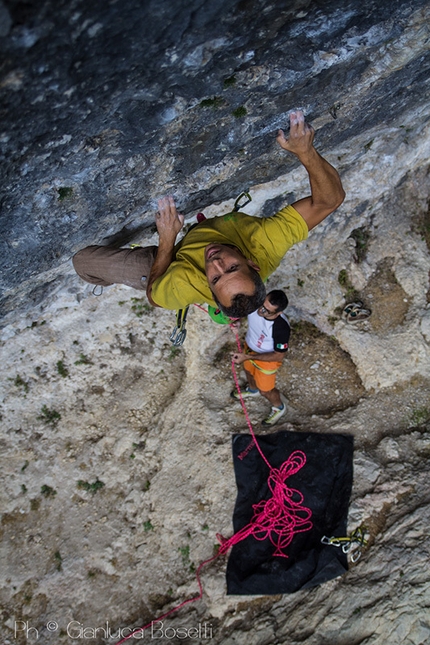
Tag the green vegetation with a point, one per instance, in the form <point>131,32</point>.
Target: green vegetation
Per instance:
<point>420,416</point>
<point>50,416</point>
<point>58,559</point>
<point>47,491</point>
<point>64,192</point>
<point>147,526</point>
<point>185,553</point>
<point>231,80</point>
<point>140,307</point>
<point>92,488</point>
<point>300,283</point>
<point>83,360</point>
<point>361,237</point>
<point>62,369</point>
<point>240,112</point>
<point>174,352</point>
<point>214,103</point>
<point>345,283</point>
<point>19,382</point>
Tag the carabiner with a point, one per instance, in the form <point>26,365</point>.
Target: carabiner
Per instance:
<point>179,332</point>
<point>238,205</point>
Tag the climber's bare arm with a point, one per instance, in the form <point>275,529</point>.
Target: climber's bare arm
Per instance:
<point>326,187</point>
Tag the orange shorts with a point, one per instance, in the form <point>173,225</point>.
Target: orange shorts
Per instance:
<point>264,372</point>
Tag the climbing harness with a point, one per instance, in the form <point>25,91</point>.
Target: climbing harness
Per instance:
<point>261,369</point>
<point>179,332</point>
<point>351,545</point>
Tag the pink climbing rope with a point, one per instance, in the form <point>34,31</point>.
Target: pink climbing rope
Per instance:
<point>282,516</point>
<point>277,519</point>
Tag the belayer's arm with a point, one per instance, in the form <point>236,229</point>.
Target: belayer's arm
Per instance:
<point>326,187</point>
<point>169,222</point>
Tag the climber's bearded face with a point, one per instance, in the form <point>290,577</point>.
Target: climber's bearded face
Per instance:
<point>228,272</point>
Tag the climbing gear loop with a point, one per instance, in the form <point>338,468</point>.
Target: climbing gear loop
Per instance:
<point>179,332</point>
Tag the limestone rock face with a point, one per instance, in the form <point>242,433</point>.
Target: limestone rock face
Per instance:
<point>116,471</point>
<point>108,105</point>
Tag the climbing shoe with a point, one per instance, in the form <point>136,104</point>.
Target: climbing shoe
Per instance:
<point>355,311</point>
<point>246,393</point>
<point>275,414</point>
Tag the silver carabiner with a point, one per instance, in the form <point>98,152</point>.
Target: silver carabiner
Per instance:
<point>179,332</point>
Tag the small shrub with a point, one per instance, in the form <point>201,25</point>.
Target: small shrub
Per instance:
<point>420,416</point>
<point>147,526</point>
<point>185,553</point>
<point>140,307</point>
<point>58,559</point>
<point>62,369</point>
<point>47,491</point>
<point>50,416</point>
<point>92,488</point>
<point>19,382</point>
<point>240,112</point>
<point>361,237</point>
<point>64,192</point>
<point>213,103</point>
<point>231,80</point>
<point>83,360</point>
<point>343,279</point>
<point>174,352</point>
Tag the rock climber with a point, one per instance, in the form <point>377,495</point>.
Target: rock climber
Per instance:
<point>267,340</point>
<point>222,261</point>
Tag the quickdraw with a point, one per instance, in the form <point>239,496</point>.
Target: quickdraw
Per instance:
<point>351,545</point>
<point>179,332</point>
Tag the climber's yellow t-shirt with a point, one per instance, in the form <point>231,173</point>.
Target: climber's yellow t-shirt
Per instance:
<point>265,240</point>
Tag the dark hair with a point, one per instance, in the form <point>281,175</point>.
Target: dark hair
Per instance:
<point>241,304</point>
<point>278,299</point>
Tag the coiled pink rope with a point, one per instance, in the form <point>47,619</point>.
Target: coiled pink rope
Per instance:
<point>277,519</point>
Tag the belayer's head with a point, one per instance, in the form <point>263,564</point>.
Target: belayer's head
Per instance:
<point>234,281</point>
<point>274,304</point>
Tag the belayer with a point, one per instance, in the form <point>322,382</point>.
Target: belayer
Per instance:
<point>266,344</point>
